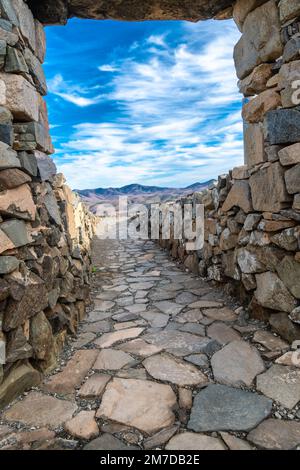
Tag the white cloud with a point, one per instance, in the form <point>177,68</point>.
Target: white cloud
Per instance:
<point>70,92</point>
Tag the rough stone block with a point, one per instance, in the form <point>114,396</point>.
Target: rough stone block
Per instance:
<point>40,39</point>
<point>26,22</point>
<point>28,297</point>
<point>290,155</point>
<point>18,202</point>
<point>15,62</point>
<point>282,126</point>
<point>291,50</point>
<point>268,189</point>
<point>255,110</point>
<point>8,157</point>
<point>272,293</point>
<point>9,12</point>
<point>36,71</point>
<point>21,98</point>
<point>32,136</point>
<point>254,151</point>
<point>7,134</point>
<point>238,196</point>
<point>289,270</point>
<point>257,81</point>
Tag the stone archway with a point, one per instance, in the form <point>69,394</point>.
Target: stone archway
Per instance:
<point>252,226</point>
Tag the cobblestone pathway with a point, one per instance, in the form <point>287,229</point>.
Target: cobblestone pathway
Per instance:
<point>164,360</point>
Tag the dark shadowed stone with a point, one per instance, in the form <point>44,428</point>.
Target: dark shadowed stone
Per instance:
<point>41,410</point>
<point>282,126</point>
<point>12,178</point>
<point>6,134</point>
<point>222,408</point>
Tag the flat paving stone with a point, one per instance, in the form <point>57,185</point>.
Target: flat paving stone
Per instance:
<point>140,347</point>
<point>222,314</point>
<point>274,434</point>
<point>191,316</point>
<point>83,339</point>
<point>142,404</point>
<point>94,386</point>
<point>206,304</point>
<point>271,342</point>
<point>282,384</point>
<point>83,425</point>
<point>178,342</point>
<point>192,441</point>
<point>103,305</point>
<point>96,316</point>
<point>169,308</point>
<point>223,408</point>
<point>166,368</point>
<point>38,409</point>
<point>73,374</point>
<point>125,317</point>
<point>237,364</point>
<point>97,327</point>
<point>109,339</point>
<point>235,443</point>
<point>156,319</point>
<point>160,438</point>
<point>222,333</point>
<point>136,308</point>
<point>112,359</point>
<point>129,324</point>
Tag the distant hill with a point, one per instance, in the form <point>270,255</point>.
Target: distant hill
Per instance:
<point>137,193</point>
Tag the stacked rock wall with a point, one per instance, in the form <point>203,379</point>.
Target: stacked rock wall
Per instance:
<point>45,230</point>
<point>252,215</point>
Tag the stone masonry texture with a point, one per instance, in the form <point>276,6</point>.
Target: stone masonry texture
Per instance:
<point>251,251</point>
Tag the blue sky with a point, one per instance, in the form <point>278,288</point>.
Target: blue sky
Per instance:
<point>150,103</point>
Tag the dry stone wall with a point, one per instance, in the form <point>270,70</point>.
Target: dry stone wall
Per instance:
<point>45,230</point>
<point>252,215</point>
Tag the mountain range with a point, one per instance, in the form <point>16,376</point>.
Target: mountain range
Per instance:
<point>137,193</point>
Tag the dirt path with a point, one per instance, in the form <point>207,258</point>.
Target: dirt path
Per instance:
<point>164,360</point>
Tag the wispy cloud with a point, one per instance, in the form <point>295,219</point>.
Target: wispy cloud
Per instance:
<point>70,92</point>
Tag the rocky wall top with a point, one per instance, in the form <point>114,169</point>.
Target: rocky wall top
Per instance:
<point>58,11</point>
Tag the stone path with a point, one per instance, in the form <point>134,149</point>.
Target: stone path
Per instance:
<point>164,360</point>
